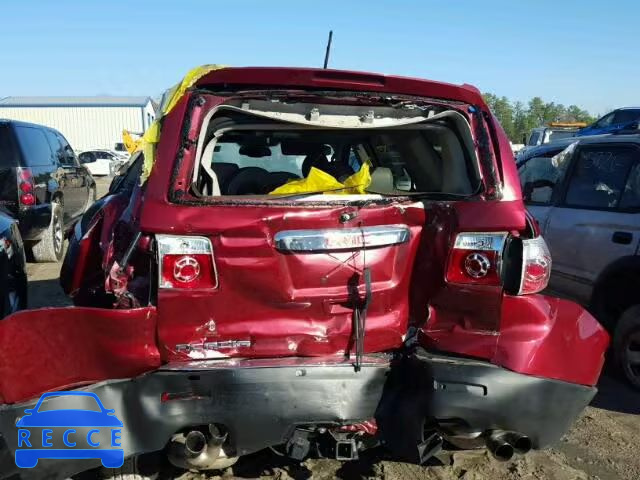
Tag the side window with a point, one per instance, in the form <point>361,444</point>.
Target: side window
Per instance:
<point>87,157</point>
<point>56,146</point>
<point>631,196</point>
<point>34,146</point>
<point>625,116</point>
<point>599,176</point>
<point>68,158</point>
<point>540,176</point>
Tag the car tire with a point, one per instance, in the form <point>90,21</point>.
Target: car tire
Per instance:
<point>51,246</point>
<point>91,198</point>
<point>134,468</point>
<point>626,345</point>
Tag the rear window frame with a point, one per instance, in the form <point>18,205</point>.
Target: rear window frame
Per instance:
<point>184,197</point>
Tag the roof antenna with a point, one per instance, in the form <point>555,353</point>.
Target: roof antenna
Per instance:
<point>326,55</point>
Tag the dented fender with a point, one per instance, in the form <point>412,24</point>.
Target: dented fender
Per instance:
<point>57,348</point>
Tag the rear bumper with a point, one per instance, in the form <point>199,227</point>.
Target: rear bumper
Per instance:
<point>34,221</point>
<point>466,396</point>
<point>261,401</point>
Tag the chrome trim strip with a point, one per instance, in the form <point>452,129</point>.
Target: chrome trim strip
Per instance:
<point>341,238</point>
<point>380,360</point>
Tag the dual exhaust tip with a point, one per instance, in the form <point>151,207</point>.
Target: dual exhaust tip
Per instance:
<point>503,445</point>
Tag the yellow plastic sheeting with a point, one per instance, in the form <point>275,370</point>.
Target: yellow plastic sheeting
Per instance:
<point>152,136</point>
<point>319,181</point>
<point>130,143</point>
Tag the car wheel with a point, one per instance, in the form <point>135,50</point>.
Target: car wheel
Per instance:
<point>626,344</point>
<point>50,248</point>
<point>91,198</point>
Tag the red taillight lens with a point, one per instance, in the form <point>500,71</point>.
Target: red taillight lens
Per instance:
<point>475,258</point>
<point>536,266</point>
<point>187,271</point>
<point>186,262</point>
<point>26,188</point>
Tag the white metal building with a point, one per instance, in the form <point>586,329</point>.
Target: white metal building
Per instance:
<point>86,122</point>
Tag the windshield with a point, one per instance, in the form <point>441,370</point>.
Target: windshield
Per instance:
<point>555,135</point>
<point>535,138</point>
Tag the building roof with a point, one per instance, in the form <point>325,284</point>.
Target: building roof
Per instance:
<point>103,101</point>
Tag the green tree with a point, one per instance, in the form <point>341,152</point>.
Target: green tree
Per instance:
<point>518,119</point>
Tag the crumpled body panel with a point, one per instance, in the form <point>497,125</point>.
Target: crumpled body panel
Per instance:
<point>56,348</point>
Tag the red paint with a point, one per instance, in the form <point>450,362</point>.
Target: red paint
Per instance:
<point>314,78</point>
<point>550,337</point>
<point>57,348</point>
<point>289,305</point>
<point>539,335</point>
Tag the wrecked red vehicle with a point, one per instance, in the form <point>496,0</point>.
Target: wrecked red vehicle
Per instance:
<point>317,261</point>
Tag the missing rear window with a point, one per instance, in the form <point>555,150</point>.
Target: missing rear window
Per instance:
<point>260,161</point>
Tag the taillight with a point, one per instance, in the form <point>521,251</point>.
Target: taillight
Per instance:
<point>26,187</point>
<point>186,262</point>
<point>536,266</point>
<point>476,258</point>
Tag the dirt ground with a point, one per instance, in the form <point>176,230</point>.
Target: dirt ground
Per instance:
<point>604,443</point>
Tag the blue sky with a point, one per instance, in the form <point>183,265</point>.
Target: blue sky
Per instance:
<point>567,51</point>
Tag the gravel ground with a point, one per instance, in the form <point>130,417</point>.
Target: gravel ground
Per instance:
<point>604,443</point>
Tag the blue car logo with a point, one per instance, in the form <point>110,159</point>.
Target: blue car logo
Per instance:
<point>56,430</point>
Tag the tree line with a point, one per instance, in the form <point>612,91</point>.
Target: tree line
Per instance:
<point>518,118</point>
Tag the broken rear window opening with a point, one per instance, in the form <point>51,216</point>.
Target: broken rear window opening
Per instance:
<point>259,159</point>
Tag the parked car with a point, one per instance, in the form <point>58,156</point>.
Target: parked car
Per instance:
<point>315,261</point>
<point>101,162</point>
<point>586,200</point>
<point>622,120</point>
<point>13,276</point>
<point>42,185</point>
<point>543,135</point>
<point>120,149</point>
<point>548,150</point>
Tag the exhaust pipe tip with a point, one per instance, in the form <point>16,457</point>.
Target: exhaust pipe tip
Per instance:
<point>195,443</point>
<point>521,443</point>
<point>499,448</point>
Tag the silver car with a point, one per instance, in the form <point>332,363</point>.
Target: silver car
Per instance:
<point>586,199</point>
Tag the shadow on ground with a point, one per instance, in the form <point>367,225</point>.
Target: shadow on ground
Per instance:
<point>47,293</point>
<point>614,393</point>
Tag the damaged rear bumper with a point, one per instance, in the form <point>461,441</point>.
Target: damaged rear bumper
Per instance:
<point>260,402</point>
<point>467,396</point>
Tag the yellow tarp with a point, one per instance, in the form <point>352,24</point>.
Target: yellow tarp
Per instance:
<point>321,182</point>
<point>130,143</point>
<point>152,136</point>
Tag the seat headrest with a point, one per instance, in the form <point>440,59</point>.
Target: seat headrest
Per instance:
<point>382,181</point>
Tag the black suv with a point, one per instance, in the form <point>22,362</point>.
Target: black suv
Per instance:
<point>42,185</point>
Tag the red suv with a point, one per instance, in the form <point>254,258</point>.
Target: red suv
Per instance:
<point>315,261</point>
